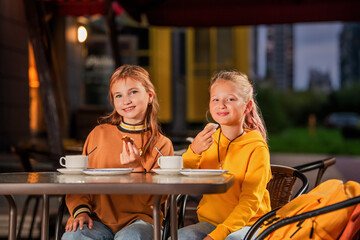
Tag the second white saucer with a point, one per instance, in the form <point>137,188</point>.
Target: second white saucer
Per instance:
<point>70,170</point>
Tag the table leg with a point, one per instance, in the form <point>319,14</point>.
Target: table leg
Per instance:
<point>156,212</point>
<point>12,217</point>
<point>45,218</point>
<point>173,217</point>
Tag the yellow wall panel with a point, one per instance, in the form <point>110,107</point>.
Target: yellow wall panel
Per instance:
<point>197,95</point>
<point>160,69</point>
<point>200,103</point>
<point>242,49</point>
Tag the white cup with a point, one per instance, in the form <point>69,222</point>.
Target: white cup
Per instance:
<point>166,162</point>
<point>74,161</point>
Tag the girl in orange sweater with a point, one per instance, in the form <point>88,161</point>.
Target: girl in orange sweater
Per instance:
<point>135,115</point>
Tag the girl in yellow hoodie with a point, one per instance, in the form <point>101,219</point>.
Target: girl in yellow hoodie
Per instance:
<point>239,146</point>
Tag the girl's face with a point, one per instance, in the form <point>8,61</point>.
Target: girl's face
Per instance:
<point>131,100</point>
<point>227,106</point>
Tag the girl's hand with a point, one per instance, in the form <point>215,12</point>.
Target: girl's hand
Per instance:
<point>204,139</point>
<point>130,157</point>
<point>79,221</point>
<point>208,238</point>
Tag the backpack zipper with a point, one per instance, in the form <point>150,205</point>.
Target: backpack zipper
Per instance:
<point>312,229</point>
<point>299,227</point>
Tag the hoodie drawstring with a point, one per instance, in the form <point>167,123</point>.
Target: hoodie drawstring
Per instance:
<point>227,148</point>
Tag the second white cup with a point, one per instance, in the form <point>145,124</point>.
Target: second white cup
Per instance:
<point>174,162</point>
<point>74,161</point>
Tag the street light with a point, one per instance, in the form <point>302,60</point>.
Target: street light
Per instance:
<point>82,34</point>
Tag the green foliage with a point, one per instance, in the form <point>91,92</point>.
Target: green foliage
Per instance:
<point>286,115</point>
<point>299,105</point>
<point>327,141</point>
<point>272,110</point>
<point>282,109</point>
<point>344,100</point>
<point>285,109</point>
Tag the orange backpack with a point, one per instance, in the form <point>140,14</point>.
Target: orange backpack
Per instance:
<point>326,226</point>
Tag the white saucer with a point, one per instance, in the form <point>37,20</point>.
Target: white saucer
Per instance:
<point>167,171</point>
<point>107,171</point>
<point>203,172</point>
<point>71,170</point>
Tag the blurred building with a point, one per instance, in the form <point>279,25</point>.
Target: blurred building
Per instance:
<point>280,54</point>
<point>319,81</point>
<point>350,54</point>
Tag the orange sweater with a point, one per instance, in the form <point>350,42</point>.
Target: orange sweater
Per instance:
<point>116,211</point>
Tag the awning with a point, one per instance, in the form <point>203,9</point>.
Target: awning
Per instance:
<point>207,13</point>
<point>83,7</point>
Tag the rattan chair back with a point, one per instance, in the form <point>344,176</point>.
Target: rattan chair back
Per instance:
<point>282,184</point>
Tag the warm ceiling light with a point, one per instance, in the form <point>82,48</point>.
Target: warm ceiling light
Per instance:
<point>82,34</point>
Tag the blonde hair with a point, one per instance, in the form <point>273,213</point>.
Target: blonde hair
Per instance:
<point>253,120</point>
<point>139,74</point>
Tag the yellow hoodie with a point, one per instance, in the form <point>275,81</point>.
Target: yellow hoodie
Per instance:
<point>248,159</point>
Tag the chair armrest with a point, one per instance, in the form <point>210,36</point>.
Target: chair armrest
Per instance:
<point>305,182</point>
<point>258,224</point>
<point>322,165</point>
<point>325,163</point>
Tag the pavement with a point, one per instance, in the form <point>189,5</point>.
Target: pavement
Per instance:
<point>345,169</point>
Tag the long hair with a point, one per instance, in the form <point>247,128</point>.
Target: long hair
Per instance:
<point>139,74</point>
<point>253,120</point>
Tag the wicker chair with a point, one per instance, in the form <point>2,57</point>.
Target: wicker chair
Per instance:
<point>280,187</point>
<point>282,184</point>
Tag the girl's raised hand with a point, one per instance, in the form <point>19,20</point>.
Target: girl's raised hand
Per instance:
<point>130,156</point>
<point>204,139</point>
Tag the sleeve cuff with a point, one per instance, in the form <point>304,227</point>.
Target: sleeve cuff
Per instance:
<point>191,159</point>
<point>81,209</point>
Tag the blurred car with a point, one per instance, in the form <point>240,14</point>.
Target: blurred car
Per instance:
<point>343,120</point>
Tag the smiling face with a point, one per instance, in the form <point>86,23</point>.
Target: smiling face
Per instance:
<point>131,100</point>
<point>227,106</point>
